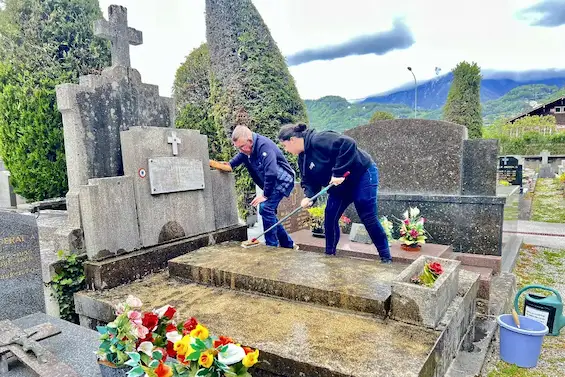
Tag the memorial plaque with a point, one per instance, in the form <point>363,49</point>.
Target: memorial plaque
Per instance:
<point>174,174</point>
<point>21,284</point>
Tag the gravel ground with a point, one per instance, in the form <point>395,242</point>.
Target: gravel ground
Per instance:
<point>537,265</point>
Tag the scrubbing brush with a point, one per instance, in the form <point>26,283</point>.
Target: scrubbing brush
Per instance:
<point>255,240</point>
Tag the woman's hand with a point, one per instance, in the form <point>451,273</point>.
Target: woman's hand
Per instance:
<point>306,202</point>
<point>337,180</point>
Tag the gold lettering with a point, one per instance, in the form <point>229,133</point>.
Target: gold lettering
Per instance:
<point>13,240</point>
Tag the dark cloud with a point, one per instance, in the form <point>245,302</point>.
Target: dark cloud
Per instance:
<point>399,37</point>
<point>549,13</point>
<point>522,76</point>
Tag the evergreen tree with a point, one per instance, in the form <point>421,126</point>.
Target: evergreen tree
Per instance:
<point>250,81</point>
<point>463,104</point>
<point>381,115</point>
<point>43,43</point>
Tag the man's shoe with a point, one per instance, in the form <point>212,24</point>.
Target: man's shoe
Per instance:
<point>386,261</point>
<point>296,247</point>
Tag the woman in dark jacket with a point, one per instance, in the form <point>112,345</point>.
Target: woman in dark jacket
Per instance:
<point>323,158</point>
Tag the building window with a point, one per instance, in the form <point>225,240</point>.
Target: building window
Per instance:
<point>557,109</point>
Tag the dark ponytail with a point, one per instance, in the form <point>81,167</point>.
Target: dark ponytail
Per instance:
<point>290,130</point>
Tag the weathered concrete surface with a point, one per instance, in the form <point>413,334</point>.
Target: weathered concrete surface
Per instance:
<point>347,283</point>
<point>295,339</point>
<point>122,269</point>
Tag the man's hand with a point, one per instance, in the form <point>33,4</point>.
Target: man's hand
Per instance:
<point>258,200</point>
<point>306,202</point>
<point>337,180</point>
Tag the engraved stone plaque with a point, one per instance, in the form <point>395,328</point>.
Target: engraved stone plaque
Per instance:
<point>174,174</point>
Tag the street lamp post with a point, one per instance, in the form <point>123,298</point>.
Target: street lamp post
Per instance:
<point>415,91</point>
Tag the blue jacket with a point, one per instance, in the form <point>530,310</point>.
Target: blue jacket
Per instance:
<point>263,165</point>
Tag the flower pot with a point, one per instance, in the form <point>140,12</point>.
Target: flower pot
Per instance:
<point>110,370</point>
<point>413,247</point>
<point>318,232</point>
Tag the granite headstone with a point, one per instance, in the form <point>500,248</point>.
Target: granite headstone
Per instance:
<point>21,284</point>
<point>359,234</point>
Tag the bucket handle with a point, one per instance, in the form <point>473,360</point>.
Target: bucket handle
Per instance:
<point>534,287</point>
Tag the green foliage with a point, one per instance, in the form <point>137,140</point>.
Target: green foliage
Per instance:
<point>381,115</point>
<point>463,104</point>
<point>68,280</point>
<point>43,43</point>
<point>251,84</point>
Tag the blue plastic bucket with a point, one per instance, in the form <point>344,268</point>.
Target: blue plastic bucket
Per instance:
<point>521,346</point>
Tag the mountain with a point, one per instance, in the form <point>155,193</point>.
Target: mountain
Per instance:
<point>336,113</point>
<point>433,94</point>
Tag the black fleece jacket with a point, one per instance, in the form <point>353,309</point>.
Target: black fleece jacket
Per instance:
<point>329,153</point>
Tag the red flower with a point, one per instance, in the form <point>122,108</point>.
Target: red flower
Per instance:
<point>435,268</point>
<point>150,320</point>
<point>248,350</point>
<point>171,327</point>
<point>170,312</point>
<point>223,341</point>
<point>189,326</point>
<point>171,349</point>
<point>163,370</point>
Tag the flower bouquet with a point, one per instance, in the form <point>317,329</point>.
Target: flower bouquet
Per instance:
<point>387,226</point>
<point>152,344</point>
<point>431,273</point>
<point>412,230</point>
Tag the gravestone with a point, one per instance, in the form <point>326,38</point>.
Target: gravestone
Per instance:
<point>546,170</point>
<point>510,170</point>
<point>359,233</point>
<point>21,285</point>
<point>433,166</point>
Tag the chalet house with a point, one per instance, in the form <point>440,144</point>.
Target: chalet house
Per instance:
<point>555,108</point>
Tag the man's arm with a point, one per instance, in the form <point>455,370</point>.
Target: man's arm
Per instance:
<point>237,160</point>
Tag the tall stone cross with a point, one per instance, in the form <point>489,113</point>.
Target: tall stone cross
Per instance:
<point>120,35</point>
<point>544,156</point>
<point>175,141</point>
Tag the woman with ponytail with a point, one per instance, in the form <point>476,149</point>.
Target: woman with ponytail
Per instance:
<point>323,158</point>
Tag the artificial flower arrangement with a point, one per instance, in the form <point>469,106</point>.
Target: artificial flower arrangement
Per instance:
<point>152,344</point>
<point>317,215</point>
<point>412,232</point>
<point>432,271</point>
<point>387,226</point>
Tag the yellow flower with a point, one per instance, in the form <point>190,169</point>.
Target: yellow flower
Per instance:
<point>182,347</point>
<point>250,359</point>
<point>206,359</point>
<point>200,332</point>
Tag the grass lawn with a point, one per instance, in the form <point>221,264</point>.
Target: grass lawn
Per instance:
<point>549,202</point>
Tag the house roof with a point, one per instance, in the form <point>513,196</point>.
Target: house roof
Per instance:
<point>535,108</point>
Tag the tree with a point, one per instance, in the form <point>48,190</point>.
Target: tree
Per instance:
<point>191,91</point>
<point>250,81</point>
<point>43,43</point>
<point>463,104</point>
<point>381,115</point>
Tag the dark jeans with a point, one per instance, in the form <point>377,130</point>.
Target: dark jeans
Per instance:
<point>268,211</point>
<point>364,196</point>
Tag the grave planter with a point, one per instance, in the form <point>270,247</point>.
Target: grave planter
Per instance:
<point>107,370</point>
<point>413,247</point>
<point>419,304</point>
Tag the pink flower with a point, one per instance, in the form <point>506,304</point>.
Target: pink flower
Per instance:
<point>414,233</point>
<point>135,317</point>
<point>140,331</point>
<point>406,221</point>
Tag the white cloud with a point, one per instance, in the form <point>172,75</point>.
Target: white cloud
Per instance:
<point>445,33</point>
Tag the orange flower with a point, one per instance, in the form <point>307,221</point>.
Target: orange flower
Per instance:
<point>223,341</point>
<point>164,370</point>
<point>206,359</point>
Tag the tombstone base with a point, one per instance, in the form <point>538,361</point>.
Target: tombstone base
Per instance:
<point>112,272</point>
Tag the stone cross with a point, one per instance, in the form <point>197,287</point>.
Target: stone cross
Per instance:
<point>17,342</point>
<point>544,156</point>
<point>121,36</point>
<point>175,141</point>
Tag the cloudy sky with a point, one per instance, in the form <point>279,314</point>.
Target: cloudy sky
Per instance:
<point>356,48</point>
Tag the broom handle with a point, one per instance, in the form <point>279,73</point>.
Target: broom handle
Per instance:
<point>322,192</point>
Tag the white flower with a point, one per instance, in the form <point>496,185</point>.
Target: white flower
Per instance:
<point>134,302</point>
<point>405,214</point>
<point>161,311</point>
<point>120,308</point>
<point>146,348</point>
<point>173,336</point>
<point>414,212</point>
<point>233,354</point>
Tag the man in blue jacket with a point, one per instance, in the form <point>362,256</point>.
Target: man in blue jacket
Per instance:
<point>270,170</point>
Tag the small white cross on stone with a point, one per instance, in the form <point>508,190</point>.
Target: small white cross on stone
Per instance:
<point>505,160</point>
<point>121,36</point>
<point>175,141</point>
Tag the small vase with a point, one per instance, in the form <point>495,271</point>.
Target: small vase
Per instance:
<point>412,247</point>
<point>108,370</point>
<point>318,232</point>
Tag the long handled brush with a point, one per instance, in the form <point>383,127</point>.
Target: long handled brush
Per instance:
<point>254,241</point>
